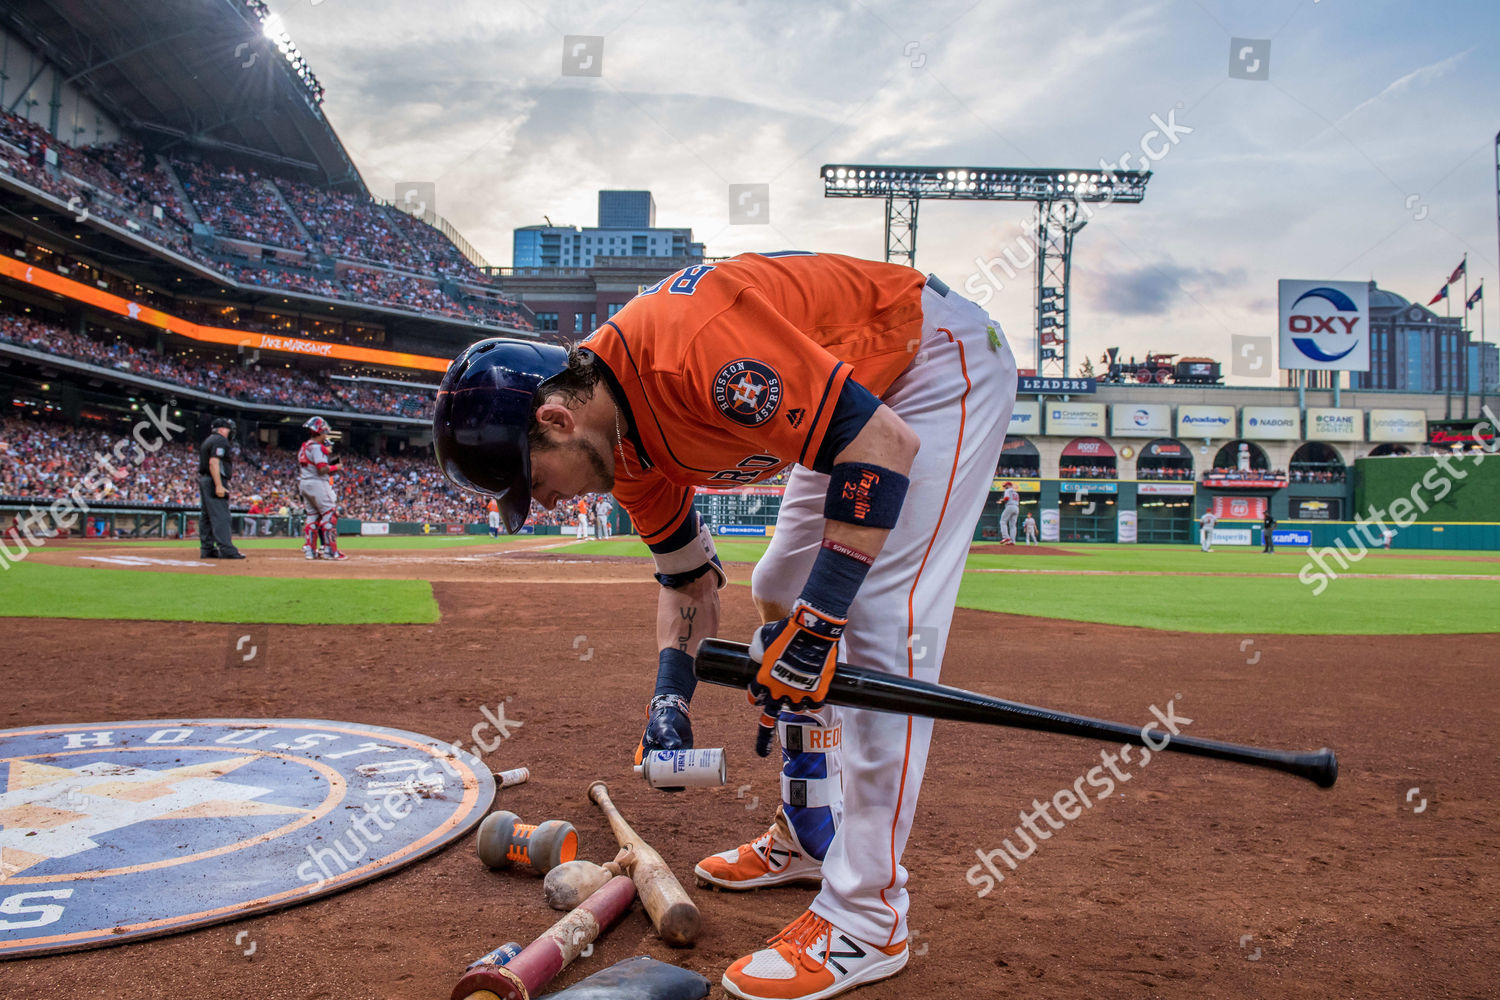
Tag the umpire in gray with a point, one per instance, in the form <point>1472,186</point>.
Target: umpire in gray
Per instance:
<point>214,467</point>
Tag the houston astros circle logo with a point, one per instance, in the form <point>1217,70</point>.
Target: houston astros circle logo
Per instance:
<point>747,392</point>
<point>121,830</point>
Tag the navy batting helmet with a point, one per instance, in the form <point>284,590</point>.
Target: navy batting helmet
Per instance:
<point>483,413</point>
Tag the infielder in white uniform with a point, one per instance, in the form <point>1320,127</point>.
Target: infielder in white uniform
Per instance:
<point>602,510</point>
<point>1206,531</point>
<point>1009,514</point>
<point>728,373</point>
<point>315,469</point>
<point>1029,526</point>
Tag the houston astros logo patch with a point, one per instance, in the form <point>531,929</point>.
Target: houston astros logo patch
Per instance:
<point>117,831</point>
<point>747,392</point>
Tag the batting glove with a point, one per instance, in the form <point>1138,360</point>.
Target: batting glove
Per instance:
<point>668,727</point>
<point>797,657</point>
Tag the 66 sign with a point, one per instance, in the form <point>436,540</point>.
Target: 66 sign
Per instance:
<point>1324,325</point>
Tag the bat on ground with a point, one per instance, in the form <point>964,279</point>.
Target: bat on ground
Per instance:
<point>720,661</point>
<point>539,962</point>
<point>674,915</point>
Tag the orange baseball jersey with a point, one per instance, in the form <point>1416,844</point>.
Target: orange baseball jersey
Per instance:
<point>493,507</point>
<point>731,371</point>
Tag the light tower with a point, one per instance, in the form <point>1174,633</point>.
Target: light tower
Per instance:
<point>1062,198</point>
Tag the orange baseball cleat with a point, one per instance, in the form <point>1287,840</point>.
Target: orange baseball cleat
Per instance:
<point>773,858</point>
<point>810,960</point>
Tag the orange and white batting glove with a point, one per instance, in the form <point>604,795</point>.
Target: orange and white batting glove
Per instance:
<point>797,657</point>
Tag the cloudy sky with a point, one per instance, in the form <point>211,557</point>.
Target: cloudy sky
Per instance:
<point>1366,151</point>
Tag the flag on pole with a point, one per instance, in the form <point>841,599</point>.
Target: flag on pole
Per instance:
<point>1458,272</point>
<point>1440,296</point>
<point>1474,299</point>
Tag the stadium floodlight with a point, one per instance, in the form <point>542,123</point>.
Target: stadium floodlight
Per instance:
<point>1059,194</point>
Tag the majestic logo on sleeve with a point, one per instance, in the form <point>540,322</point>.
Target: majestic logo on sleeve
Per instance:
<point>747,392</point>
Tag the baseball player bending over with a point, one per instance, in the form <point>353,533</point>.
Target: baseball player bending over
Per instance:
<point>722,375</point>
<point>315,468</point>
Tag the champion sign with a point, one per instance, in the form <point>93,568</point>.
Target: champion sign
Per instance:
<point>1324,325</point>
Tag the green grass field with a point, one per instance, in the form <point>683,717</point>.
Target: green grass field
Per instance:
<point>1214,592</point>
<point>1228,591</point>
<point>36,590</point>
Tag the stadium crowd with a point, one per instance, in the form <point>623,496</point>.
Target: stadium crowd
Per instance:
<point>1087,472</point>
<point>119,182</point>
<point>43,460</point>
<point>1233,474</point>
<point>252,384</point>
<point>1183,473</point>
<point>1318,475</point>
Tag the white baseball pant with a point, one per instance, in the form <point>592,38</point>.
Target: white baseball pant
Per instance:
<point>853,804</point>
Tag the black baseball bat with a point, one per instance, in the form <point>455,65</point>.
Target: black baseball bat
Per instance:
<point>720,661</point>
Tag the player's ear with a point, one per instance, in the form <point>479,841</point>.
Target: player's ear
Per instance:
<point>555,417</point>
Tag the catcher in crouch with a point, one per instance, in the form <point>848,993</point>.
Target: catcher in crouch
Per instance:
<point>315,469</point>
<point>890,394</point>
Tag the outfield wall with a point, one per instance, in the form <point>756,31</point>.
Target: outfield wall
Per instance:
<point>1450,489</point>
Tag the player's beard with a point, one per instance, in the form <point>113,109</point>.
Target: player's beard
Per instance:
<point>601,469</point>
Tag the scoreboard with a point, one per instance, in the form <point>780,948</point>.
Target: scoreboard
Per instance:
<point>746,505</point>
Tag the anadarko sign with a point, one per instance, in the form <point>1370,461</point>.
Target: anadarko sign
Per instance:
<point>1205,421</point>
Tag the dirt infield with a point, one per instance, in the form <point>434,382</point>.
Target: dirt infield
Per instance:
<point>1196,879</point>
<point>1022,550</point>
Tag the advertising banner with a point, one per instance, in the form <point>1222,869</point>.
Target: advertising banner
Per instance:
<point>1234,536</point>
<point>1025,419</point>
<point>247,340</point>
<point>1334,425</point>
<point>1126,526</point>
<point>1075,418</point>
<point>1270,423</point>
<point>1032,385</point>
<point>1165,489</point>
<point>374,528</point>
<point>1316,509</point>
<point>1324,325</point>
<point>1398,425</point>
<point>1291,536</point>
<point>1051,525</point>
<point>1151,420</point>
<point>1088,486</point>
<point>1021,485</point>
<point>1205,421</point>
<point>1239,508</point>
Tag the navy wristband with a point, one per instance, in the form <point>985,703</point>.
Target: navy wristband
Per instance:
<point>674,674</point>
<point>835,578</point>
<point>866,495</point>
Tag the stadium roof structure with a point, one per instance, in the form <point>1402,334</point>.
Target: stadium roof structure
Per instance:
<point>205,74</point>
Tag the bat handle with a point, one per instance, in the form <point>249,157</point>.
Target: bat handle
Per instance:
<point>763,735</point>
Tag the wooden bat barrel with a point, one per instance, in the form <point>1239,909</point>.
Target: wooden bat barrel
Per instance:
<point>674,915</point>
<point>544,958</point>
